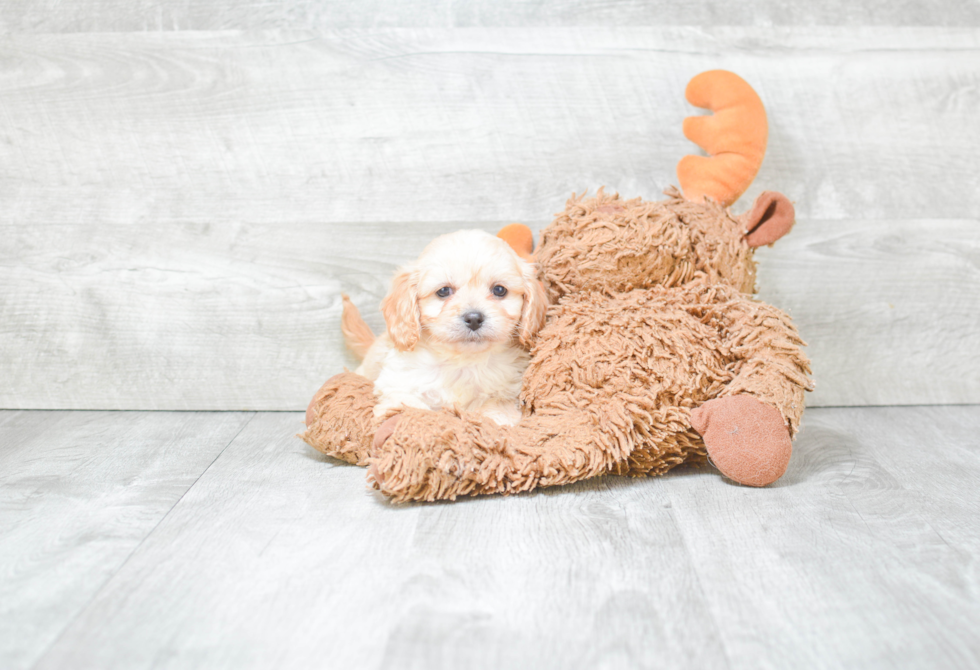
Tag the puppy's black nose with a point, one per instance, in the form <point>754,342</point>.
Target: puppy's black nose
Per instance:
<point>473,320</point>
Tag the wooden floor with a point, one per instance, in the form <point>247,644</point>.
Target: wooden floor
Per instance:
<point>214,540</point>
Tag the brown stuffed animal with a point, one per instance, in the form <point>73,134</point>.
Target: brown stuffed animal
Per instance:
<point>654,353</point>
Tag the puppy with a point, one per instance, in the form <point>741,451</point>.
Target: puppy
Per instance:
<point>460,320</point>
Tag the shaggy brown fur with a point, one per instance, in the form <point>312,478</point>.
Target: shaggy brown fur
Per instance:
<point>340,418</point>
<point>650,322</point>
<point>607,244</point>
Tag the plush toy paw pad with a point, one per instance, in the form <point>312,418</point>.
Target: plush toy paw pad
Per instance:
<point>746,439</point>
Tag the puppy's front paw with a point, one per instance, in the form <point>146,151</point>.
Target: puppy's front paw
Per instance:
<point>381,435</point>
<point>384,432</point>
<point>502,415</point>
<point>397,403</point>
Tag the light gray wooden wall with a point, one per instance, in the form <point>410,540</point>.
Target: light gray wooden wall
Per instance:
<point>186,189</point>
<point>58,16</point>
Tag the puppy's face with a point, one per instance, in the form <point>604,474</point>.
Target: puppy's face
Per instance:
<point>466,293</point>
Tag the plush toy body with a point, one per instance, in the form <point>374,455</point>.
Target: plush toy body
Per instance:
<point>654,354</point>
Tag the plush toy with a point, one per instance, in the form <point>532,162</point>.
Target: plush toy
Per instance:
<point>654,353</point>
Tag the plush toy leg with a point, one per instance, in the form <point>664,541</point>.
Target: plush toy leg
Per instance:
<point>672,447</point>
<point>748,429</point>
<point>340,419</point>
<point>773,368</point>
<point>442,455</point>
<point>746,439</point>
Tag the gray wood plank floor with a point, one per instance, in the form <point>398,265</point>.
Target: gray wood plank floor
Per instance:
<point>79,492</point>
<point>210,540</point>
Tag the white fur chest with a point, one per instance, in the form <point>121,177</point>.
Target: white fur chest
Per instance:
<point>468,382</point>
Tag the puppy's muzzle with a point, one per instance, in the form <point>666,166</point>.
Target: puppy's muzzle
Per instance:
<point>473,320</point>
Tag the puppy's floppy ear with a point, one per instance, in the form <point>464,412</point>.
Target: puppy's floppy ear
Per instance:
<point>401,311</point>
<point>535,304</point>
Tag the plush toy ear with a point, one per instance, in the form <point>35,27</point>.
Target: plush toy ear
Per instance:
<point>520,238</point>
<point>770,218</point>
<point>401,311</point>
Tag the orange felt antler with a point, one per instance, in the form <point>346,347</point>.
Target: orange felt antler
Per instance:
<point>734,137</point>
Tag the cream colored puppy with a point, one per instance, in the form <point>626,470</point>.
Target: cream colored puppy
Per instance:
<point>460,319</point>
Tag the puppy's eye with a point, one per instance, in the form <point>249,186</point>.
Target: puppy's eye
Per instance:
<point>499,291</point>
<point>445,292</point>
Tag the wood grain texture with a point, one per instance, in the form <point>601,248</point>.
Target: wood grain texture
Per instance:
<point>890,308</point>
<point>861,556</point>
<point>247,316</point>
<point>851,564</point>
<point>313,569</point>
<point>181,211</point>
<point>51,16</point>
<point>187,316</point>
<point>79,492</point>
<point>470,124</point>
